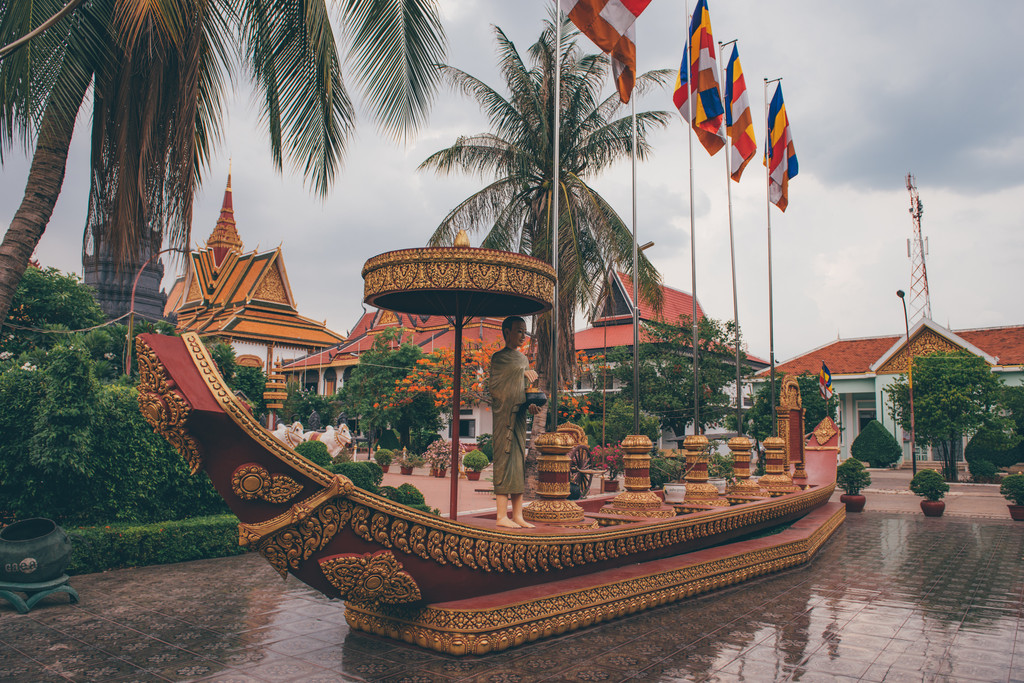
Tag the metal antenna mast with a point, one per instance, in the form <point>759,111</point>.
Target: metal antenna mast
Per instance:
<point>917,249</point>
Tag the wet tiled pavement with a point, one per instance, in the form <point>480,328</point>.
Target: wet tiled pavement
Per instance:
<point>892,597</point>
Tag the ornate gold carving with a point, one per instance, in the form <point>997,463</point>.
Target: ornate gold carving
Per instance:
<point>370,578</point>
<point>776,481</point>
<point>579,437</point>
<point>477,632</point>
<point>925,343</point>
<point>312,531</point>
<point>825,430</point>
<point>789,395</point>
<point>252,481</point>
<point>163,407</point>
<point>271,286</point>
<point>553,511</point>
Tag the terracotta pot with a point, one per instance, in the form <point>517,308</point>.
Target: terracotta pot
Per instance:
<point>1016,512</point>
<point>438,473</point>
<point>610,485</point>
<point>854,501</point>
<point>385,468</point>
<point>405,470</point>
<point>932,508</point>
<point>472,476</point>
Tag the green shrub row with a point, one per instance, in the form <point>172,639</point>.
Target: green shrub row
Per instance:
<point>100,548</point>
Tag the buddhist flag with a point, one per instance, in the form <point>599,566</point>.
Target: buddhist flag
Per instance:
<point>825,382</point>
<point>738,122</point>
<point>698,76</point>
<point>782,164</point>
<point>609,23</point>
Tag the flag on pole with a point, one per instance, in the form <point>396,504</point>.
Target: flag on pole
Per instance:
<point>609,23</point>
<point>698,75</point>
<point>825,382</point>
<point>782,164</point>
<point>738,121</point>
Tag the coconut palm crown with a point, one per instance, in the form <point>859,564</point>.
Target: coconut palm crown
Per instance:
<point>516,160</point>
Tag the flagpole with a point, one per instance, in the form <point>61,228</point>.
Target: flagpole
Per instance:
<point>636,301</point>
<point>732,249</point>
<point>768,207</point>
<point>691,87</point>
<point>556,187</point>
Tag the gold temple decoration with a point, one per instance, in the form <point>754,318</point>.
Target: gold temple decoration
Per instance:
<point>370,578</point>
<point>925,343</point>
<point>553,482</point>
<point>776,480</point>
<point>744,490</point>
<point>461,239</point>
<point>700,495</point>
<point>163,407</point>
<point>467,631</point>
<point>637,500</point>
<point>789,395</point>
<point>251,482</point>
<point>824,432</point>
<point>276,390</point>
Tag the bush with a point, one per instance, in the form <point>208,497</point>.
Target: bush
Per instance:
<point>485,444</point>
<point>876,446</point>
<point>365,475</point>
<point>314,451</point>
<point>475,460</point>
<point>406,494</point>
<point>929,484</point>
<point>665,471</point>
<point>852,477</point>
<point>994,445</point>
<point>383,456</point>
<point>100,548</point>
<point>388,439</point>
<point>982,471</point>
<point>1012,487</point>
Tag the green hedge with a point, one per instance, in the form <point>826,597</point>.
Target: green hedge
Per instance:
<point>100,548</point>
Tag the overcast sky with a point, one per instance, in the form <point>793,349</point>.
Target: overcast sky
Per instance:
<point>873,91</point>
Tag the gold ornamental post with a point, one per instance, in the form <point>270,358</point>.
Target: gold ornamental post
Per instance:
<point>744,490</point>
<point>776,480</point>
<point>638,500</point>
<point>700,495</point>
<point>553,466</point>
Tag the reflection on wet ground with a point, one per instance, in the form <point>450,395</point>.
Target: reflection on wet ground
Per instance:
<point>892,597</point>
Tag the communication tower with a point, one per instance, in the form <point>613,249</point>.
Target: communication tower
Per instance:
<point>917,248</point>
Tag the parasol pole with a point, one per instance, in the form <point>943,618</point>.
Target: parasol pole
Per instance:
<point>556,188</point>
<point>456,418</point>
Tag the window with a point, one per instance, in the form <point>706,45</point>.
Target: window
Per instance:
<point>467,429</point>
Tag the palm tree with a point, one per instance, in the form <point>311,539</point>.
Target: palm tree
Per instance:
<point>158,70</point>
<point>514,208</point>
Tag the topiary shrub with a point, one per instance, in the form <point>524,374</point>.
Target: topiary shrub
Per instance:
<point>876,446</point>
<point>365,475</point>
<point>929,484</point>
<point>982,471</point>
<point>407,494</point>
<point>475,460</point>
<point>485,444</point>
<point>314,451</point>
<point>1012,488</point>
<point>383,456</point>
<point>852,477</point>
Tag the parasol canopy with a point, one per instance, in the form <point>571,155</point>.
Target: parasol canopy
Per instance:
<point>458,282</point>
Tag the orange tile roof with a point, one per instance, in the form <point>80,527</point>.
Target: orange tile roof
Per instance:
<point>1005,343</point>
<point>675,303</point>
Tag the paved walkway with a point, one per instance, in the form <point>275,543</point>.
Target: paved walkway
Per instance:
<point>890,492</point>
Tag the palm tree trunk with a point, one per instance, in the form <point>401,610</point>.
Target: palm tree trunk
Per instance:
<point>45,179</point>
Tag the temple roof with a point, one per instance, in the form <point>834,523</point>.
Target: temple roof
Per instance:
<point>224,238</point>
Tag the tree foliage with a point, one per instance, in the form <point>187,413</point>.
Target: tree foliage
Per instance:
<point>47,299</point>
<point>955,394</point>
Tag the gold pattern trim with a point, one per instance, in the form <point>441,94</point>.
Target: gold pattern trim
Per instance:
<point>165,409</point>
<point>925,343</point>
<point>825,430</point>
<point>477,632</point>
<point>370,578</point>
<point>789,394</point>
<point>251,482</point>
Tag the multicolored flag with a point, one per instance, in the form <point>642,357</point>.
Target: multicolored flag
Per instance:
<point>781,156</point>
<point>825,382</point>
<point>698,75</point>
<point>738,122</point>
<point>609,23</point>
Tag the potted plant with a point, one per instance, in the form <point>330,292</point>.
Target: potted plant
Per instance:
<point>609,458</point>
<point>474,462</point>
<point>852,477</point>
<point>383,457</point>
<point>409,461</point>
<point>930,485</point>
<point>439,456</point>
<point>1012,487</point>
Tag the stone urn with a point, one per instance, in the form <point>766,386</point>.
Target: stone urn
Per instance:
<point>33,551</point>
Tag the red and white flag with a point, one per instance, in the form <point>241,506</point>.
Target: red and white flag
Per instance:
<point>609,23</point>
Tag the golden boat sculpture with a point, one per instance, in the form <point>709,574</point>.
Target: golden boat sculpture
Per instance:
<point>467,586</point>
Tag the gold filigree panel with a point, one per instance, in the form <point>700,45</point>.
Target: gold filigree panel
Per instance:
<point>789,394</point>
<point>925,343</point>
<point>370,578</point>
<point>271,286</point>
<point>825,430</point>
<point>251,482</point>
<point>165,409</point>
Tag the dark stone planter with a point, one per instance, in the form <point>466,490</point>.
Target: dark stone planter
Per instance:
<point>854,502</point>
<point>1016,512</point>
<point>932,508</point>
<point>33,551</point>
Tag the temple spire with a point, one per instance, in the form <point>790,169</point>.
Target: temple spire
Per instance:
<point>224,238</point>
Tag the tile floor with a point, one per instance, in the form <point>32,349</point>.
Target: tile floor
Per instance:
<point>892,597</point>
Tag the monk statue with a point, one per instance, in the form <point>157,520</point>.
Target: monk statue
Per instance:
<point>510,376</point>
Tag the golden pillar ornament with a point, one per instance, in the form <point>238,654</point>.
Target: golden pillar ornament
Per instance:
<point>553,483</point>
<point>637,500</point>
<point>743,489</point>
<point>776,480</point>
<point>275,393</point>
<point>700,495</point>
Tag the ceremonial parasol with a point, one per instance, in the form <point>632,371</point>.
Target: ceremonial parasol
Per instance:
<point>458,282</point>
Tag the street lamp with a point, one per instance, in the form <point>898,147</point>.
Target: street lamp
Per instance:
<point>910,379</point>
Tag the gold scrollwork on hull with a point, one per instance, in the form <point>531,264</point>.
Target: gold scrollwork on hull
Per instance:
<point>477,632</point>
<point>165,409</point>
<point>289,547</point>
<point>251,482</point>
<point>370,578</point>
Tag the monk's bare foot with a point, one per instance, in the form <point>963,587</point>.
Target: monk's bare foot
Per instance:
<point>507,523</point>
<point>524,524</point>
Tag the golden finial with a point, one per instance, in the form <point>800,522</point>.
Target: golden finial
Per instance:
<point>462,239</point>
